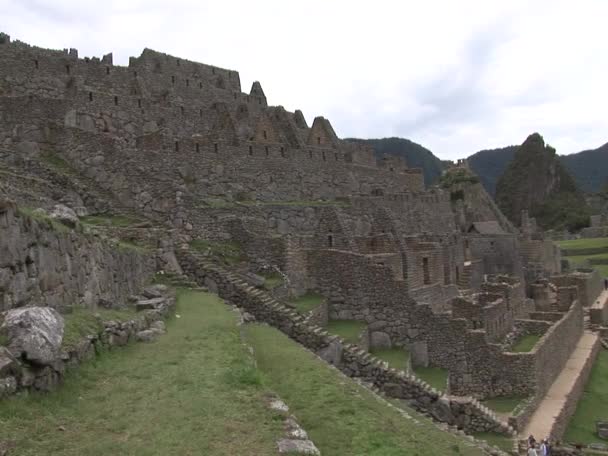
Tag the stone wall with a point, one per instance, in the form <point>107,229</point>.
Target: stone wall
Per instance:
<point>466,413</point>
<point>48,264</point>
<point>575,394</point>
<point>22,375</point>
<point>588,283</point>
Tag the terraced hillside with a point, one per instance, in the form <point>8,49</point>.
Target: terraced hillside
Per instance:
<point>197,391</point>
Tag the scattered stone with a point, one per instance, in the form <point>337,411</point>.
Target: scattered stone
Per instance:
<point>148,304</point>
<point>65,215</point>
<point>255,279</point>
<point>602,429</point>
<point>293,446</point>
<point>159,326</point>
<point>247,317</point>
<point>8,363</point>
<point>34,333</point>
<point>148,335</point>
<point>155,291</point>
<point>279,406</point>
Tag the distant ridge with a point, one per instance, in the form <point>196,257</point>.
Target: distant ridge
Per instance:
<point>415,155</point>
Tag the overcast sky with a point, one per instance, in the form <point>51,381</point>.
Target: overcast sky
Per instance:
<point>454,76</point>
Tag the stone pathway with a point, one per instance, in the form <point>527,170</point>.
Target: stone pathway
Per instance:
<point>544,419</point>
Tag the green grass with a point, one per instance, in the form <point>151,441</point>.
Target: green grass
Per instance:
<point>131,246</point>
<point>42,217</point>
<point>109,220</point>
<point>590,243</point>
<point>349,330</point>
<point>195,391</point>
<point>593,405</point>
<point>229,251</point>
<point>83,322</point>
<point>434,376</point>
<point>273,280</point>
<point>497,440</point>
<point>525,344</point>
<point>340,416</point>
<point>308,302</point>
<point>396,358</point>
<point>504,404</point>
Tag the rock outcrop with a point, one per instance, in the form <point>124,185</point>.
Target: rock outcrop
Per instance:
<point>34,334</point>
<point>536,181</point>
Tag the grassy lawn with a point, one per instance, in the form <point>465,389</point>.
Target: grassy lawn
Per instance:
<point>397,358</point>
<point>82,322</point>
<point>593,405</point>
<point>109,220</point>
<point>308,302</point>
<point>590,243</point>
<point>434,376</point>
<point>503,404</point>
<point>497,440</point>
<point>340,416</point>
<point>349,330</point>
<point>525,344</point>
<point>194,392</point>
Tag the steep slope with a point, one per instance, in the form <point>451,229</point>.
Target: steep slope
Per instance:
<point>536,181</point>
<point>490,164</point>
<point>415,155</point>
<point>589,168</point>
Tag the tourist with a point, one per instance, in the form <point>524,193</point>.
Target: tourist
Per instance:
<point>606,283</point>
<point>531,441</point>
<point>532,450</point>
<point>544,445</point>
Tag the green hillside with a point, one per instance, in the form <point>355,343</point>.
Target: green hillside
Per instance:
<point>536,181</point>
<point>415,155</point>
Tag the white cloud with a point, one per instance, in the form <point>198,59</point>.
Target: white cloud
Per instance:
<point>455,76</point>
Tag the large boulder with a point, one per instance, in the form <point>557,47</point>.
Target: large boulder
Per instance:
<point>65,215</point>
<point>34,334</point>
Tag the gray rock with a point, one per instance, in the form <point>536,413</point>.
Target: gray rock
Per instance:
<point>34,333</point>
<point>602,429</point>
<point>159,326</point>
<point>148,304</point>
<point>148,335</point>
<point>332,353</point>
<point>441,411</point>
<point>255,280</point>
<point>65,215</point>
<point>155,291</point>
<point>8,386</point>
<point>380,339</point>
<point>293,446</point>
<point>8,363</point>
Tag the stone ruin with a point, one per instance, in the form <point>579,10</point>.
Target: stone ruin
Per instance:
<point>438,271</point>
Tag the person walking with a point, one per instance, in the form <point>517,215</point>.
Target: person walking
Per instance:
<point>543,447</point>
<point>532,450</point>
